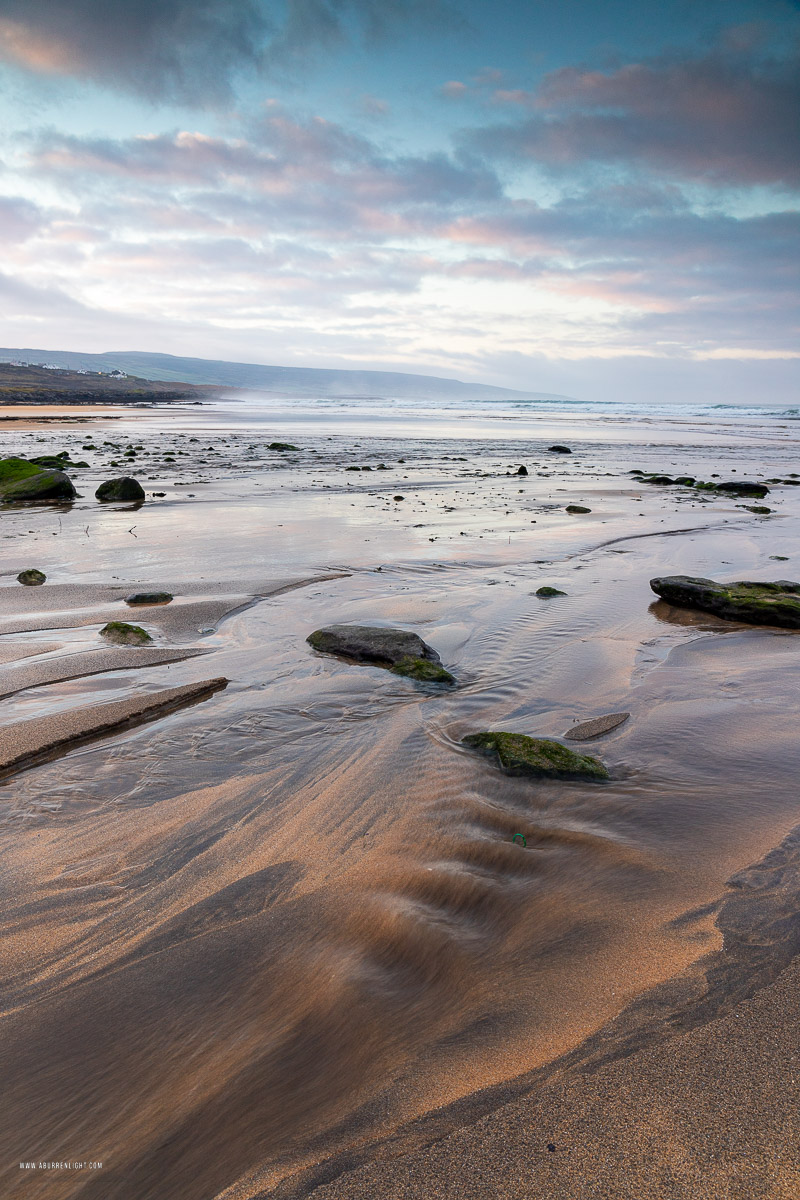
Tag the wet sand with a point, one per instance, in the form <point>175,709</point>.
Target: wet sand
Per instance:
<point>282,942</point>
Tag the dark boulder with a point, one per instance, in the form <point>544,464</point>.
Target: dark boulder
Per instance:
<point>518,754</point>
<point>124,489</point>
<point>31,577</point>
<point>751,602</point>
<point>546,590</point>
<point>281,446</point>
<point>560,449</point>
<point>577,508</point>
<point>743,487</point>
<point>397,650</point>
<point>522,470</point>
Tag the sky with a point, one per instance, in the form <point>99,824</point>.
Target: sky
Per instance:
<point>599,199</point>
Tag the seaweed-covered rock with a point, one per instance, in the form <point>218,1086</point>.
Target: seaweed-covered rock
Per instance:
<point>142,598</point>
<point>546,590</point>
<point>560,449</point>
<point>125,635</point>
<point>22,480</point>
<point>519,754</point>
<point>742,487</point>
<point>423,670</point>
<point>751,602</point>
<point>31,577</point>
<point>281,446</point>
<point>396,649</point>
<point>577,508</point>
<point>124,489</point>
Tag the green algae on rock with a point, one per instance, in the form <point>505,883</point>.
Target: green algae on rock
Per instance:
<point>281,446</point>
<point>124,634</point>
<point>577,508</point>
<point>753,603</point>
<point>31,577</point>
<point>22,480</point>
<point>549,591</point>
<point>423,670</point>
<point>519,754</point>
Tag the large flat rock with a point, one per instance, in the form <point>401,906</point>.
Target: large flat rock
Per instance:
<point>752,602</point>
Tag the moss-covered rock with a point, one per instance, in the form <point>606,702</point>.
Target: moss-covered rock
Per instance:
<point>751,602</point>
<point>422,670</point>
<point>12,470</point>
<point>577,508</point>
<point>760,509</point>
<point>31,577</point>
<point>382,647</point>
<point>125,635</point>
<point>518,754</point>
<point>143,598</point>
<point>125,489</point>
<point>22,480</point>
<point>281,446</point>
<point>549,591</point>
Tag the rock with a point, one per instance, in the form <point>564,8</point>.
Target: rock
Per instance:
<point>149,598</point>
<point>125,635</point>
<point>281,446</point>
<point>519,754</point>
<point>577,508</point>
<point>398,497</point>
<point>125,489</point>
<point>423,670</point>
<point>661,480</point>
<point>596,726</point>
<point>754,603</point>
<point>760,509</point>
<point>743,487</point>
<point>31,577</point>
<point>22,480</point>
<point>560,449</point>
<point>522,470</point>
<point>549,591</point>
<point>396,649</point>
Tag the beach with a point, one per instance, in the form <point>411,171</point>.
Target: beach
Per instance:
<point>268,930</point>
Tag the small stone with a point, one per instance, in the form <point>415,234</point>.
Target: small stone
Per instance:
<point>125,635</point>
<point>31,577</point>
<point>596,726</point>
<point>149,598</point>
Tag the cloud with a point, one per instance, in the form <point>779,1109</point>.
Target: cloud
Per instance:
<point>190,50</point>
<point>727,117</point>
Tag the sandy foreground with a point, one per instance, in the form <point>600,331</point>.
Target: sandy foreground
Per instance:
<point>266,929</point>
